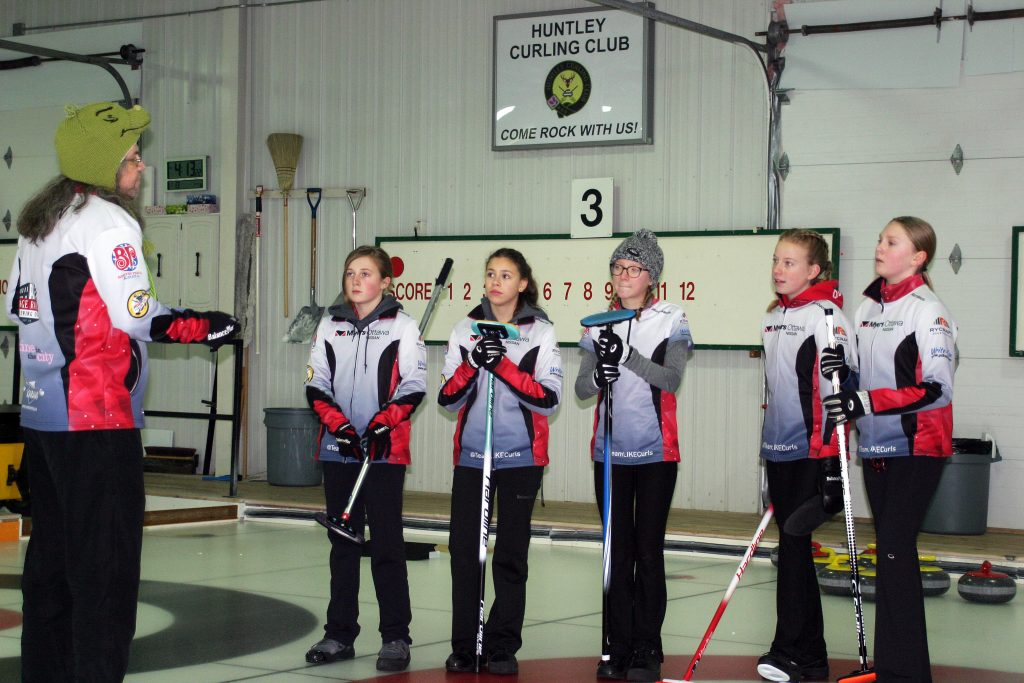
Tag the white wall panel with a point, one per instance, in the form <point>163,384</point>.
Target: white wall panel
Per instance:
<point>394,95</point>
<point>861,157</point>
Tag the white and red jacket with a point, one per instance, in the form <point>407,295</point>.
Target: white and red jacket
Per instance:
<point>794,334</point>
<point>527,389</point>
<point>82,300</point>
<point>362,368</point>
<point>644,428</point>
<point>907,345</point>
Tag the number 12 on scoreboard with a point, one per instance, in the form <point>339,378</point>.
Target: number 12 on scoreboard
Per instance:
<point>592,205</point>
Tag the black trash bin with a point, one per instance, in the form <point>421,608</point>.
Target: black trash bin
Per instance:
<point>292,447</point>
<point>960,504</point>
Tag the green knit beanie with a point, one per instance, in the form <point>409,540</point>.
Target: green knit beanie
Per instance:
<point>93,140</point>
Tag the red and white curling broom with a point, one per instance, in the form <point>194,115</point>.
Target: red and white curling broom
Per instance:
<point>728,594</point>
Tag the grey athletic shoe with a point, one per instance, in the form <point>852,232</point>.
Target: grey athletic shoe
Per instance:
<point>393,656</point>
<point>329,650</point>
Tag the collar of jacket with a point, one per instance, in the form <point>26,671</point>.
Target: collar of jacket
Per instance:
<point>387,308</point>
<point>526,313</point>
<point>826,290</point>
<point>883,293</point>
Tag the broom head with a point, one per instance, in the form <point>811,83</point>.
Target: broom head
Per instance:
<point>284,150</point>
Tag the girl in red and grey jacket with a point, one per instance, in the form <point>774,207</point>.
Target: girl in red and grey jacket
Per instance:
<point>527,388</point>
<point>645,358</point>
<point>903,408</point>
<point>366,375</point>
<point>802,465</point>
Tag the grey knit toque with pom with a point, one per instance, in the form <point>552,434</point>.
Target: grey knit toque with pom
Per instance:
<point>642,247</point>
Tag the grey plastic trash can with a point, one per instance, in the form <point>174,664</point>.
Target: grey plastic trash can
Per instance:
<point>291,447</point>
<point>960,505</point>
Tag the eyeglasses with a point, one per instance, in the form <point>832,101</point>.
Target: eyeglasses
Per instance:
<point>634,271</point>
<point>137,160</point>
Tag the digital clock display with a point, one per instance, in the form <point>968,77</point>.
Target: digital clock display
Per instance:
<point>187,173</point>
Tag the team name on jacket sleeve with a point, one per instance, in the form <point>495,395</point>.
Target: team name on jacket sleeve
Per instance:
<point>930,384</point>
<point>320,379</point>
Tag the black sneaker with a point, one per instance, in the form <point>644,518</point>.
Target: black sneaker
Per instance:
<point>613,669</point>
<point>460,663</point>
<point>501,663</point>
<point>329,650</point>
<point>644,666</point>
<point>775,667</point>
<point>393,656</point>
<point>816,670</point>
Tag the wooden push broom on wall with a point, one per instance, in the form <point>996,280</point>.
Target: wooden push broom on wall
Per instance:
<point>284,150</point>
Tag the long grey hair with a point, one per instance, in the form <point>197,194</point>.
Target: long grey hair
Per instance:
<point>41,213</point>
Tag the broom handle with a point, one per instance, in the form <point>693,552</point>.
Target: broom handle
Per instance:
<point>284,194</point>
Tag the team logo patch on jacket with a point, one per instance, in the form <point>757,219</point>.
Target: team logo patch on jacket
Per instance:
<point>28,303</point>
<point>124,257</point>
<point>138,303</point>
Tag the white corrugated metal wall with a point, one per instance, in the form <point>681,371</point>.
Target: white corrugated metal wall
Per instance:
<point>394,96</point>
<point>861,157</point>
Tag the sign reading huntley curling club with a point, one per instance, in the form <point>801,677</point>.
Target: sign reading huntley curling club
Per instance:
<point>572,78</point>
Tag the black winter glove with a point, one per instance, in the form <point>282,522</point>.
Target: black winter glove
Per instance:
<point>609,348</point>
<point>834,360</point>
<point>605,374</point>
<point>830,482</point>
<point>487,353</point>
<point>223,328</point>
<point>846,406</point>
<point>378,438</point>
<point>348,441</point>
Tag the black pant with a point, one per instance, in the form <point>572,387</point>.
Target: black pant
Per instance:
<point>380,500</point>
<point>799,628</point>
<point>900,490</point>
<point>516,490</point>
<point>637,596</point>
<point>81,577</point>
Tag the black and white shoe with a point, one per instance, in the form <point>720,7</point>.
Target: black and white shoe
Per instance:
<point>329,650</point>
<point>775,667</point>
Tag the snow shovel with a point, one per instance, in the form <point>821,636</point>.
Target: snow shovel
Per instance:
<point>302,328</point>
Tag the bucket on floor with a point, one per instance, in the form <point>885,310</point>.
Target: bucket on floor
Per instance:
<point>292,447</point>
<point>960,504</point>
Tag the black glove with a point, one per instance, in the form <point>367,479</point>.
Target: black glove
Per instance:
<point>609,348</point>
<point>843,407</point>
<point>378,438</point>
<point>348,441</point>
<point>834,360</point>
<point>830,483</point>
<point>223,329</point>
<point>605,374</point>
<point>487,353</point>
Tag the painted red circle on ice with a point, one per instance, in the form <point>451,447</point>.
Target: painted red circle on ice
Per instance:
<point>9,619</point>
<point>397,266</point>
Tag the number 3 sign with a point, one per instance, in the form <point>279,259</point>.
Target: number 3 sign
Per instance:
<point>592,205</point>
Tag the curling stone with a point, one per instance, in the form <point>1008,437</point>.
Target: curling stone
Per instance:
<point>986,586</point>
<point>934,580</point>
<point>834,578</point>
<point>869,558</point>
<point>822,554</point>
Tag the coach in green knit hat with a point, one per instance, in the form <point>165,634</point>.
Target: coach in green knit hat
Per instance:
<point>93,141</point>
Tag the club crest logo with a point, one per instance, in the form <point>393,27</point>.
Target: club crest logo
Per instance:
<point>138,303</point>
<point>567,88</point>
<point>124,257</point>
